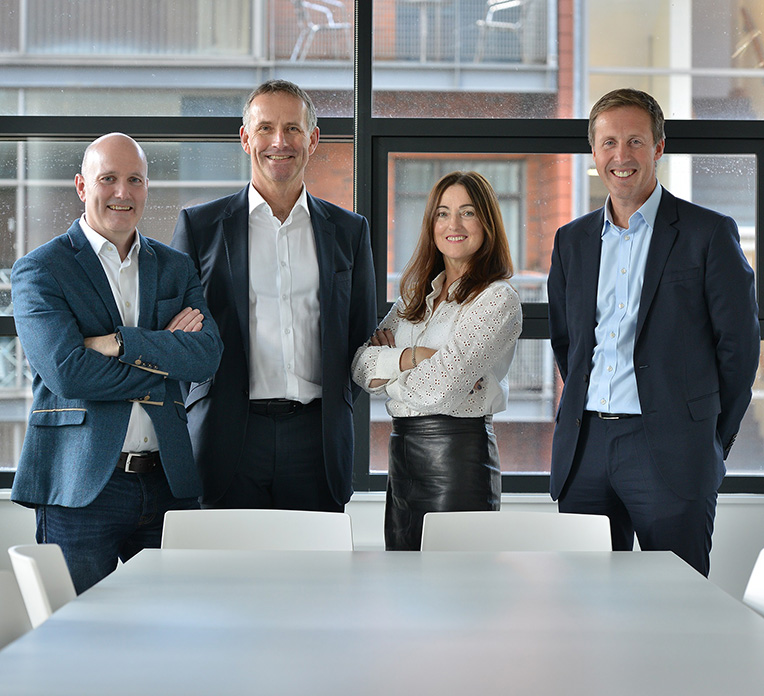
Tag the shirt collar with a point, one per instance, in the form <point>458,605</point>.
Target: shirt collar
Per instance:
<point>98,241</point>
<point>648,211</point>
<point>256,201</point>
<point>437,285</point>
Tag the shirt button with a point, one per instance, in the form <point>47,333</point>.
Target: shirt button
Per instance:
<point>287,331</point>
<point>623,271</point>
<point>621,305</point>
<point>127,304</point>
<point>609,368</point>
<point>603,401</point>
<point>145,439</point>
<point>612,334</point>
<point>283,297</point>
<point>627,238</point>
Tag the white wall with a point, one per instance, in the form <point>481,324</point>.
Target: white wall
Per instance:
<point>738,537</point>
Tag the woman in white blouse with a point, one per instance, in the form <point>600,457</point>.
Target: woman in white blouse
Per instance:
<point>441,356</point>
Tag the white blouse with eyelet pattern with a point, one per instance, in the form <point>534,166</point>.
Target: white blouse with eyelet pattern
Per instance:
<point>473,340</point>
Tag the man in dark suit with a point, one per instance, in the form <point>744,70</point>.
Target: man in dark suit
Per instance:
<point>654,326</point>
<point>110,321</point>
<point>289,280</point>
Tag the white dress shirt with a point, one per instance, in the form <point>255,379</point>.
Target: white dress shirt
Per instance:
<point>123,279</point>
<point>612,384</point>
<point>473,340</point>
<point>284,309</point>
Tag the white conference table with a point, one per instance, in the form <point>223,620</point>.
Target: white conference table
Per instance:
<point>314,623</point>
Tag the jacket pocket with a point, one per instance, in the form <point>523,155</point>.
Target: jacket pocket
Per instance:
<point>58,416</point>
<point>705,407</point>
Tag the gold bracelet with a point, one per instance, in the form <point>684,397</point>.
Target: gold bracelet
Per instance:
<point>413,356</point>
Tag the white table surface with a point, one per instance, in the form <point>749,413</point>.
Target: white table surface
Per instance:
<point>313,623</point>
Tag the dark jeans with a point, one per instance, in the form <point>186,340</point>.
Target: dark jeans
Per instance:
<point>614,474</point>
<point>126,516</point>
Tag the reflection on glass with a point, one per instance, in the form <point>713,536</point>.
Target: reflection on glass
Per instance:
<point>164,57</point>
<point>465,58</point>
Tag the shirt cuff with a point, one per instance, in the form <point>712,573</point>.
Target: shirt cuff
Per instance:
<point>388,364</point>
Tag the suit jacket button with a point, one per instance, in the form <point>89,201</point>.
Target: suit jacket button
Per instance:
<point>137,362</point>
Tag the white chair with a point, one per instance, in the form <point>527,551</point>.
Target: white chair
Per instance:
<point>43,578</point>
<point>14,620</point>
<point>257,530</point>
<point>321,16</point>
<point>754,591</point>
<point>515,531</point>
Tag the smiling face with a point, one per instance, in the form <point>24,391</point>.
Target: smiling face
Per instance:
<point>457,231</point>
<point>113,184</point>
<point>625,155</point>
<point>279,144</point>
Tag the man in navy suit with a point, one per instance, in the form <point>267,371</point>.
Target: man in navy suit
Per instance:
<point>290,282</point>
<point>654,326</point>
<point>110,322</point>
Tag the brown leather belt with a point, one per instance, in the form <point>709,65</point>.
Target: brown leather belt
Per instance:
<point>138,462</point>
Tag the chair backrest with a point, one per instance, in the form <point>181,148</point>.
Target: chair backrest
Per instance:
<point>754,591</point>
<point>257,530</point>
<point>515,531</point>
<point>43,578</point>
<point>14,620</point>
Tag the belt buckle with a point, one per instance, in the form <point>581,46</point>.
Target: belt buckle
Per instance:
<point>130,455</point>
<point>608,416</point>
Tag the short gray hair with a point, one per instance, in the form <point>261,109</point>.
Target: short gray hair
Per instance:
<point>286,87</point>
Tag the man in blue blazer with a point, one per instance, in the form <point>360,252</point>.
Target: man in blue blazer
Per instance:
<point>110,321</point>
<point>654,326</point>
<point>290,282</point>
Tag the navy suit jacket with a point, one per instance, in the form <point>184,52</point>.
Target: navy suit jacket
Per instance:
<point>216,236</point>
<point>696,349</point>
<point>81,399</point>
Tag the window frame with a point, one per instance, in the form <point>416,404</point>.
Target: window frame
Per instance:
<point>373,138</point>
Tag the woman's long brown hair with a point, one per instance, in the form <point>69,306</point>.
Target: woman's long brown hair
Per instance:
<point>489,263</point>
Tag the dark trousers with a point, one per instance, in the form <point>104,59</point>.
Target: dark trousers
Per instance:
<point>438,464</point>
<point>283,464</point>
<point>614,474</point>
<point>126,516</point>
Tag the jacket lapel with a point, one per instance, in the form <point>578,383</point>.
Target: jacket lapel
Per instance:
<point>90,264</point>
<point>147,282</point>
<point>235,223</point>
<point>324,232</point>
<point>664,235</point>
<point>591,249</point>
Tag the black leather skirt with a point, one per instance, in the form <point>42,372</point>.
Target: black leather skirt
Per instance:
<point>438,464</point>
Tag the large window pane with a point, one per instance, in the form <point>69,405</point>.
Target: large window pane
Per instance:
<point>38,202</point>
<point>171,57</point>
<point>465,58</point>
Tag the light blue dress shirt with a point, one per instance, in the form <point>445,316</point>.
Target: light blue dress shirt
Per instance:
<point>612,383</point>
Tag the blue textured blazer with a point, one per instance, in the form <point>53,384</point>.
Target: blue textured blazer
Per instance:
<point>216,236</point>
<point>696,349</point>
<point>82,399</point>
